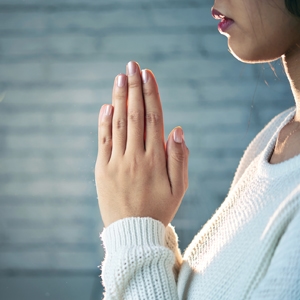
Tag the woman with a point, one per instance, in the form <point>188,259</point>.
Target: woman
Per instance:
<point>250,249</point>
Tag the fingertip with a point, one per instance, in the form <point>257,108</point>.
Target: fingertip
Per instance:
<point>178,135</point>
<point>102,109</point>
<point>105,111</point>
<point>145,76</point>
<point>121,80</point>
<point>132,67</point>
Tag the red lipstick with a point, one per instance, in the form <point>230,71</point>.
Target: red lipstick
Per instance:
<point>225,21</point>
<point>224,24</point>
<point>216,14</point>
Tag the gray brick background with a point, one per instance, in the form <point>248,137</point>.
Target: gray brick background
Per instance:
<point>57,63</point>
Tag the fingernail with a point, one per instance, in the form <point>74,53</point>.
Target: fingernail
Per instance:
<point>131,68</point>
<point>145,76</point>
<point>108,110</point>
<point>101,113</point>
<point>178,135</point>
<point>121,80</point>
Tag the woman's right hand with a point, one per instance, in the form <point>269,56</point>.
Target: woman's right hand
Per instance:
<point>137,174</point>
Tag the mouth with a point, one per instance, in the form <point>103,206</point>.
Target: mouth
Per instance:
<point>218,15</point>
<point>225,21</point>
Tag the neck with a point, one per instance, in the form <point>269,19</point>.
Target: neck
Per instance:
<point>291,62</point>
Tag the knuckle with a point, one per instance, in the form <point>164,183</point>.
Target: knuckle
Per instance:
<point>148,92</point>
<point>106,140</point>
<point>178,156</point>
<point>120,124</point>
<point>135,116</point>
<point>120,95</point>
<point>153,118</point>
<point>134,83</point>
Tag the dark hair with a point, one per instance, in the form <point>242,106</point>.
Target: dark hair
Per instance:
<point>293,7</point>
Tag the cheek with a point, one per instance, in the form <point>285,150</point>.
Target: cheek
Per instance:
<point>258,45</point>
<point>262,40</point>
<point>251,51</point>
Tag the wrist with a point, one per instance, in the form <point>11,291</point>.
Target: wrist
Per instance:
<point>133,232</point>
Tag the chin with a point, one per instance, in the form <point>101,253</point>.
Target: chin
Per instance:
<point>250,55</point>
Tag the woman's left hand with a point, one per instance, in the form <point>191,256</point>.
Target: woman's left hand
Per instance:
<point>136,174</point>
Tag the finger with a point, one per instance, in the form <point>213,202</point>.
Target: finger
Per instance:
<point>154,127</point>
<point>135,109</point>
<point>176,161</point>
<point>186,165</point>
<point>119,129</point>
<point>105,133</point>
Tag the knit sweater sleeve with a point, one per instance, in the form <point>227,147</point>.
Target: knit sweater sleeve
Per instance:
<point>282,280</point>
<point>141,260</point>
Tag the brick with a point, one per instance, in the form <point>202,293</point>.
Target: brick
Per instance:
<point>98,20</point>
<point>37,166</point>
<point>27,261</point>
<point>70,235</point>
<point>26,72</point>
<point>201,164</point>
<point>197,69</point>
<point>33,260</point>
<point>85,71</point>
<point>56,99</point>
<point>61,121</point>
<point>154,44</point>
<point>39,187</point>
<point>16,21</point>
<point>16,46</point>
<point>207,117</point>
<point>55,142</point>
<point>184,17</point>
<point>57,286</point>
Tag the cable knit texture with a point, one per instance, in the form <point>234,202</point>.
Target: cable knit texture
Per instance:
<point>249,249</point>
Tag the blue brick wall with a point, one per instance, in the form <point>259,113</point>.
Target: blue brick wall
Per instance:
<point>57,64</point>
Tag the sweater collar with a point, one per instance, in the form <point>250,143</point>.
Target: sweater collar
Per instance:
<point>287,166</point>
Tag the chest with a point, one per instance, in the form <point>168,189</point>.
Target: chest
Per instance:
<point>232,252</point>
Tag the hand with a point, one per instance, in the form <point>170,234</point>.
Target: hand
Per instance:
<point>136,174</point>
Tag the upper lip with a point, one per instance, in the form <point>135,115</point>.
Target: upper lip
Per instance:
<point>217,15</point>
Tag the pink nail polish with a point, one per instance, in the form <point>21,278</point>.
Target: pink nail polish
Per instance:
<point>101,113</point>
<point>131,68</point>
<point>177,136</point>
<point>145,76</point>
<point>121,80</point>
<point>108,110</point>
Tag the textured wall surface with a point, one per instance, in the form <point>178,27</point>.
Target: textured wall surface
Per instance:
<point>57,64</point>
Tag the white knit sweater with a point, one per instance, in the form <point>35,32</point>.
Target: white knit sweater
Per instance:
<point>250,249</point>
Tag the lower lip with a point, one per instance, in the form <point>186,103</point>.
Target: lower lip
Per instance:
<point>225,24</point>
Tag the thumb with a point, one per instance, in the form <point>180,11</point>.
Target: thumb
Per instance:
<point>177,161</point>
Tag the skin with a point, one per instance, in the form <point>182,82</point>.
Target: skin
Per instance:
<point>137,174</point>
<point>264,30</point>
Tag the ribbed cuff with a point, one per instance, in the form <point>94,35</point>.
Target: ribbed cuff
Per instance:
<point>133,232</point>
